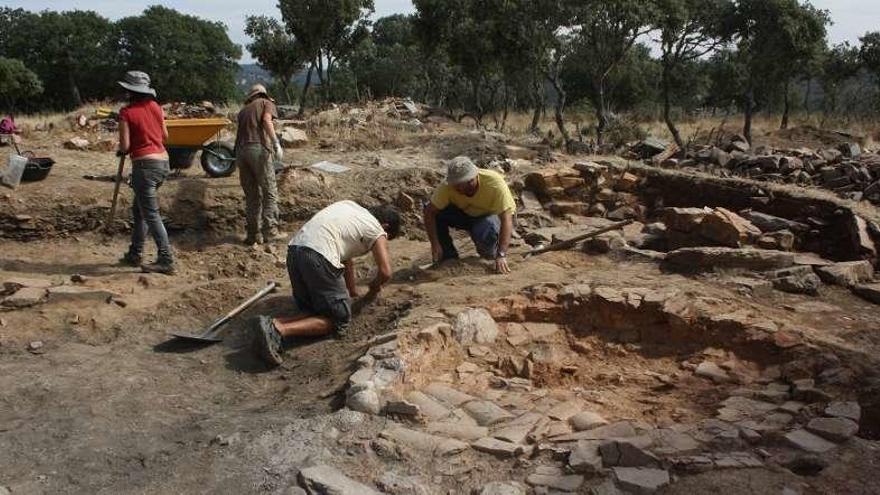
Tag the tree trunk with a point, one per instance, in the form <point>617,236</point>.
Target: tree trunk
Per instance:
<point>749,112</point>
<point>538,100</point>
<point>667,109</point>
<point>560,109</point>
<point>786,108</point>
<point>808,94</point>
<point>305,91</point>
<point>75,95</point>
<point>601,113</point>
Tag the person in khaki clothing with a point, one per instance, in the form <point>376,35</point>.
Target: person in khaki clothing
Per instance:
<point>255,145</point>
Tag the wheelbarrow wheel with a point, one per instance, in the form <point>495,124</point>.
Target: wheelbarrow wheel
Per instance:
<point>218,159</point>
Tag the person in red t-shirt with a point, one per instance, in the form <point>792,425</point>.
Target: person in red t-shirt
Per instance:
<point>142,135</point>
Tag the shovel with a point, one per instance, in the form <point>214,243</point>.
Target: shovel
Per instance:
<point>210,335</point>
<point>112,215</point>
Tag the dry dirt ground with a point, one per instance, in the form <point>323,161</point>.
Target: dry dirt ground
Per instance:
<point>109,404</point>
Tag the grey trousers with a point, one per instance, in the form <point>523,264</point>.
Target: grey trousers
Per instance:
<point>257,177</point>
<point>146,178</point>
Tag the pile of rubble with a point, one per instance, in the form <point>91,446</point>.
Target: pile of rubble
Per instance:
<point>482,382</point>
<point>181,110</point>
<point>847,170</point>
<point>402,112</point>
<point>592,195</point>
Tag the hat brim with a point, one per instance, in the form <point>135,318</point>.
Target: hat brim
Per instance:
<point>259,93</point>
<point>461,180</point>
<point>135,88</point>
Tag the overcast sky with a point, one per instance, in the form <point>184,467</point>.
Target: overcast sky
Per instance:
<point>852,18</point>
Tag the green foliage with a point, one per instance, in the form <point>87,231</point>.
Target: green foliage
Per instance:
<point>188,58</point>
<point>837,65</point>
<point>870,53</point>
<point>72,52</point>
<point>17,85</point>
<point>631,83</point>
<point>275,50</point>
<point>388,62</point>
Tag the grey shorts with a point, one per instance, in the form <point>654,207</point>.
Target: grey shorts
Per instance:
<point>318,286</point>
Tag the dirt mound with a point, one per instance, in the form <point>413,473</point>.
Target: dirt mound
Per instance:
<point>809,137</point>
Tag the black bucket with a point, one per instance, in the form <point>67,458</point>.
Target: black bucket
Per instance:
<point>37,169</point>
<point>180,158</point>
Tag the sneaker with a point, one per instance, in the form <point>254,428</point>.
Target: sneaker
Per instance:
<point>163,267</point>
<point>267,341</point>
<point>131,260</point>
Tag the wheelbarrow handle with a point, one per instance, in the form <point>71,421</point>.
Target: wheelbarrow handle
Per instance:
<point>243,306</point>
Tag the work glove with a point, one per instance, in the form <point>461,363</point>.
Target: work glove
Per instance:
<point>279,152</point>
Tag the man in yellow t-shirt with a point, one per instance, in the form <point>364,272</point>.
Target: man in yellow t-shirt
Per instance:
<point>475,200</point>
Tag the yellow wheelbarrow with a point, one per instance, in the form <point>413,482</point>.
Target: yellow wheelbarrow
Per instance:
<point>186,137</point>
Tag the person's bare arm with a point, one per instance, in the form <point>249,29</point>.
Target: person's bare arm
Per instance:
<point>124,137</point>
<point>430,220</point>
<point>164,130</point>
<point>269,125</point>
<point>504,242</point>
<point>350,278</point>
<point>383,265</point>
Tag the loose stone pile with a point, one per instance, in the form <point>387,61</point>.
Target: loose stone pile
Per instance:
<point>474,384</point>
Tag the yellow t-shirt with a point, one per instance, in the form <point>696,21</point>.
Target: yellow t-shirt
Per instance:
<point>492,198</point>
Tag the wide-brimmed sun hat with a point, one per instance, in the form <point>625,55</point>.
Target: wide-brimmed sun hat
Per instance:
<point>460,170</point>
<point>257,90</point>
<point>137,82</point>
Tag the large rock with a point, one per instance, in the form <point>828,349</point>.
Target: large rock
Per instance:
<point>684,219</point>
<point>804,440</point>
<point>486,413</point>
<point>502,488</point>
<point>292,137</point>
<point>699,259</point>
<point>586,420</point>
<point>625,454</point>
<point>847,274</point>
<point>24,298</point>
<point>641,480</point>
<point>726,228</point>
<point>550,477</point>
<point>365,400</point>
<point>12,284</point>
<point>67,293</point>
<point>834,429</point>
<point>861,239</point>
<point>585,458</point>
<point>327,480</point>
<point>796,280</point>
<point>77,144</point>
<point>850,410</point>
<point>430,444</point>
<point>398,484</point>
<point>475,325</point>
<point>868,292</point>
<point>498,448</point>
<point>770,223</point>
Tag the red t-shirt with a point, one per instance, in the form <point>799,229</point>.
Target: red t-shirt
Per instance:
<point>145,119</point>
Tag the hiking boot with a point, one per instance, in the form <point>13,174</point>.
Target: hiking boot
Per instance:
<point>160,266</point>
<point>267,341</point>
<point>273,236</point>
<point>131,260</point>
<point>252,239</point>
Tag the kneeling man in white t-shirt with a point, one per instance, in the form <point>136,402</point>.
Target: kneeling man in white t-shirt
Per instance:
<point>320,262</point>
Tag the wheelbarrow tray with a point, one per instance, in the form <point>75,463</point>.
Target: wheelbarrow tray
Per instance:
<point>193,133</point>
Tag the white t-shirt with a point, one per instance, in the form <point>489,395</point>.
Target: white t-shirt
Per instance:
<point>340,232</point>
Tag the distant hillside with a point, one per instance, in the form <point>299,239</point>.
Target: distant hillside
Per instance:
<point>250,74</point>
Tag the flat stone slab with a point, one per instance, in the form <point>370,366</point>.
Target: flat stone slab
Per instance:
<point>850,410</point>
<point>75,293</point>
<point>517,430</point>
<point>486,413</point>
<point>457,430</point>
<point>428,406</point>
<point>517,335</point>
<point>625,454</point>
<point>13,284</point>
<point>446,394</point>
<point>565,410</point>
<point>24,298</point>
<point>641,480</point>
<point>553,478</point>
<point>710,370</point>
<point>585,457</point>
<point>498,448</point>
<point>621,429</point>
<point>502,488</point>
<point>327,479</point>
<point>804,440</point>
<point>586,420</point>
<point>424,442</point>
<point>834,429</point>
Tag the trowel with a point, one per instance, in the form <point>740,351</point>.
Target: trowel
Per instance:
<point>212,333</point>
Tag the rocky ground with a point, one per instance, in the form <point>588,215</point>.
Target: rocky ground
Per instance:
<point>724,340</point>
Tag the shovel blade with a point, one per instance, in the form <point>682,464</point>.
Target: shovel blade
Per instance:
<point>209,337</point>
